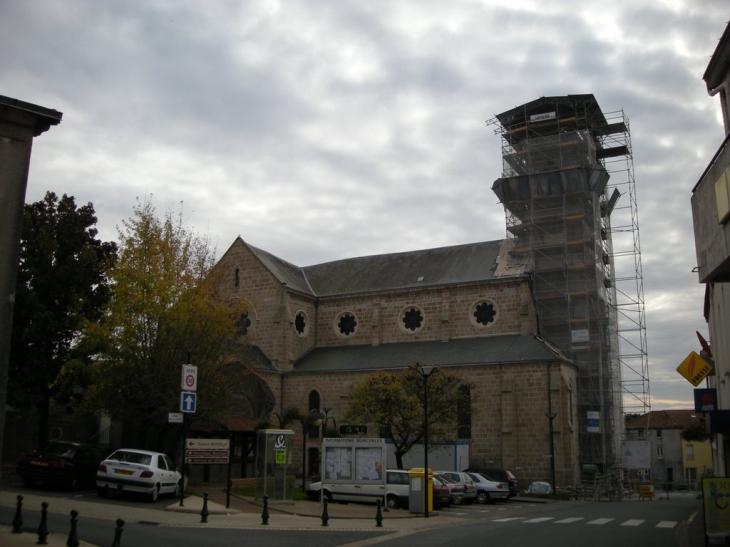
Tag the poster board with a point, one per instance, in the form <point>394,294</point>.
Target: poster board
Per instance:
<point>359,461</point>
<point>716,507</point>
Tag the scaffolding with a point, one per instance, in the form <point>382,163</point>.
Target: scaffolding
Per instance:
<point>559,154</point>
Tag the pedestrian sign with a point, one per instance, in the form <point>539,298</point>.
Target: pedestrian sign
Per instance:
<point>188,401</point>
<point>694,368</point>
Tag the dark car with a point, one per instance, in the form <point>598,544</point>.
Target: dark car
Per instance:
<point>498,475</point>
<point>60,462</point>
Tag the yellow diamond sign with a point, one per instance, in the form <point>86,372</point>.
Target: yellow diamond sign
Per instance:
<point>694,368</point>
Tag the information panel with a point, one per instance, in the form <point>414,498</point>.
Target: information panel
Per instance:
<point>354,460</point>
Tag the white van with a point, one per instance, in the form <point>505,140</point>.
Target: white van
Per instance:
<point>394,491</point>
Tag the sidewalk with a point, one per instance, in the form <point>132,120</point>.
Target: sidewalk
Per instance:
<point>241,513</point>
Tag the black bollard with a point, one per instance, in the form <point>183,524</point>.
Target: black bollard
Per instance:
<point>379,515</point>
<point>204,512</point>
<point>118,534</point>
<point>73,540</point>
<point>325,515</point>
<point>265,513</point>
<point>43,526</point>
<point>18,518</point>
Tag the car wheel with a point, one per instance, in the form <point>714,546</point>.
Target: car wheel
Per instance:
<point>482,497</point>
<point>29,482</point>
<point>457,501</point>
<point>392,502</point>
<point>102,491</point>
<point>155,493</point>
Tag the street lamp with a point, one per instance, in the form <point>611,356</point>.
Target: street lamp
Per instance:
<point>425,372</point>
<point>314,417</point>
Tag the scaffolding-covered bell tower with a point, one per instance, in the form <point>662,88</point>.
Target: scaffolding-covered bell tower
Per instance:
<point>558,202</point>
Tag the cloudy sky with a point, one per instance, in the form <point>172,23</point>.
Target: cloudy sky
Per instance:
<point>327,129</point>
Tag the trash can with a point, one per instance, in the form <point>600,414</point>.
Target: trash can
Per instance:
<point>416,490</point>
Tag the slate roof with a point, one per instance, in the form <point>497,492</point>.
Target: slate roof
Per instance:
<point>489,350</point>
<point>665,419</point>
<point>471,262</point>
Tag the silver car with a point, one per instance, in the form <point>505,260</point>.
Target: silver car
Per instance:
<point>489,491</point>
<point>141,471</point>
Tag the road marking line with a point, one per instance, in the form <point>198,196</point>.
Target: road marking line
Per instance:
<point>600,521</point>
<point>539,519</point>
<point>508,519</point>
<point>666,524</point>
<point>570,520</point>
<point>633,522</point>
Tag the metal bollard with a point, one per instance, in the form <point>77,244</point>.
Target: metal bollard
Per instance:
<point>43,526</point>
<point>265,513</point>
<point>204,512</point>
<point>325,515</point>
<point>73,540</point>
<point>118,534</point>
<point>379,516</point>
<point>18,518</point>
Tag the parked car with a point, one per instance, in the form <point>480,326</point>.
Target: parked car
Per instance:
<point>498,475</point>
<point>394,491</point>
<point>464,484</point>
<point>457,491</point>
<point>489,491</point>
<point>141,471</point>
<point>60,462</point>
<point>441,492</point>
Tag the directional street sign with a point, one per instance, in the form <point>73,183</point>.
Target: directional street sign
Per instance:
<point>188,401</point>
<point>189,378</point>
<point>206,451</point>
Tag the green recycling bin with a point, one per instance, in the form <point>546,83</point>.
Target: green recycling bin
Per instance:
<point>417,490</point>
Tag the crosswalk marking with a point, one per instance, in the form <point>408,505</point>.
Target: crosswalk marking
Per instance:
<point>596,522</point>
<point>599,521</point>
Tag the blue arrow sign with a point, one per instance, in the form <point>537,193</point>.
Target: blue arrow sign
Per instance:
<point>188,401</point>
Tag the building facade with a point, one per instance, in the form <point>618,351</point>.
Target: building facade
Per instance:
<point>711,219</point>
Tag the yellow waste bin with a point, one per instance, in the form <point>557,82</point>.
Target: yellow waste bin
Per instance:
<point>417,491</point>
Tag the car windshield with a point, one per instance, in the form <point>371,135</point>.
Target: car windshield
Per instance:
<point>58,449</point>
<point>131,457</point>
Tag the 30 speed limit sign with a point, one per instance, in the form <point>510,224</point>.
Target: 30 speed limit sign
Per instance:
<point>189,378</point>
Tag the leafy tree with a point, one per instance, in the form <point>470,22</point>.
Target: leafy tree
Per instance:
<point>61,288</point>
<point>165,312</point>
<point>695,432</point>
<point>394,402</point>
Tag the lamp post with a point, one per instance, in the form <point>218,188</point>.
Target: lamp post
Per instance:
<point>425,372</point>
<point>314,417</point>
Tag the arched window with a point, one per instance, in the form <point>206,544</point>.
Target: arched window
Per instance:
<point>313,431</point>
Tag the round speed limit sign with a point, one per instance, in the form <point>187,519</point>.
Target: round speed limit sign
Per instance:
<point>189,378</point>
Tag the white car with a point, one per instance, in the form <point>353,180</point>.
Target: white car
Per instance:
<point>489,491</point>
<point>394,492</point>
<point>141,471</point>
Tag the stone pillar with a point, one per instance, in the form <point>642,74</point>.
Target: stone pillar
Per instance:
<point>20,122</point>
